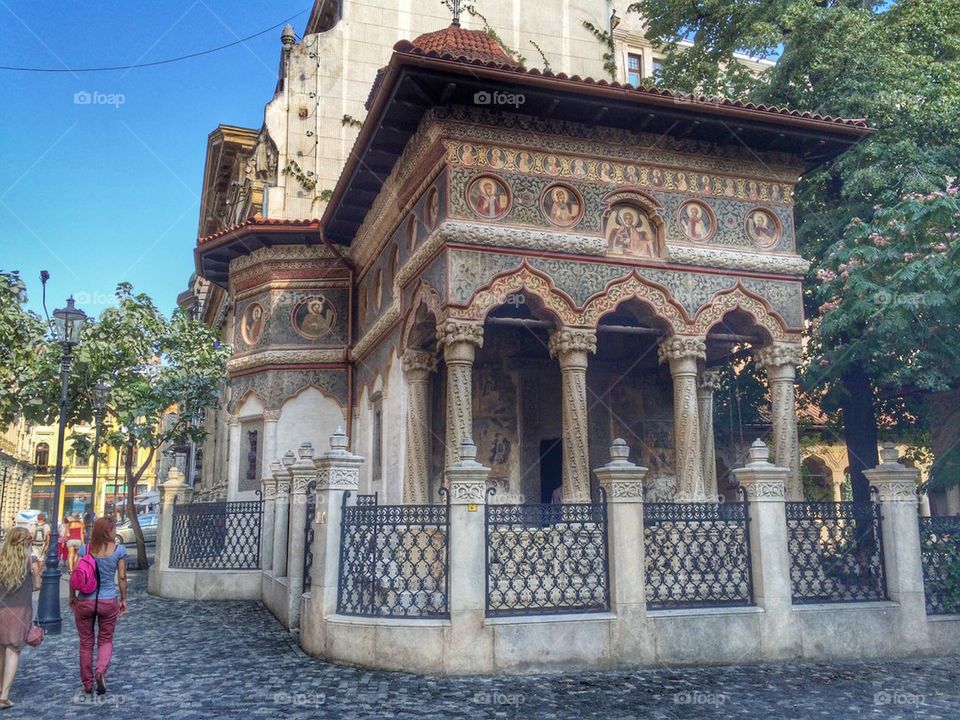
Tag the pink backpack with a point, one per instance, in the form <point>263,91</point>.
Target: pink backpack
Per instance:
<point>86,576</point>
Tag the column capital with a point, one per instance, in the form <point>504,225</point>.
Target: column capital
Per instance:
<point>621,480</point>
<point>339,468</point>
<point>418,364</point>
<point>175,489</point>
<point>566,341</point>
<point>709,381</point>
<point>271,415</point>
<point>303,470</point>
<point>682,347</point>
<point>895,482</point>
<point>466,478</point>
<point>761,480</point>
<point>454,331</point>
<point>779,354</point>
<point>233,420</point>
<point>269,488</point>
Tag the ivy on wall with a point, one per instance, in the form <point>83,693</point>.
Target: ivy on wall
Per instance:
<point>606,38</point>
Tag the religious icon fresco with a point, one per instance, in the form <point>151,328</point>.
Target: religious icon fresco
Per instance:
<point>251,325</point>
<point>630,232</point>
<point>696,221</point>
<point>412,231</point>
<point>314,317</point>
<point>762,228</point>
<point>561,205</point>
<point>488,197</point>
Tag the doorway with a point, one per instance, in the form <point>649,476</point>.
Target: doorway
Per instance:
<point>551,468</point>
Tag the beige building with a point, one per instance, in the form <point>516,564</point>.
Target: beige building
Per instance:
<point>77,482</point>
<point>16,470</point>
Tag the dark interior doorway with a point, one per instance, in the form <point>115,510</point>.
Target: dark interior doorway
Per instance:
<point>551,468</point>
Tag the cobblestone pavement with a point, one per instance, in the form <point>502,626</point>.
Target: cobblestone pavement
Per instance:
<point>179,660</point>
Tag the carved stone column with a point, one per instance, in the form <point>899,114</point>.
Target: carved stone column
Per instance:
<point>571,348</point>
<point>459,340</point>
<point>301,473</point>
<point>709,382</point>
<point>417,366</point>
<point>780,361</point>
<point>233,456</point>
<point>281,516</point>
<point>683,353</point>
<point>269,451</point>
<point>269,485</point>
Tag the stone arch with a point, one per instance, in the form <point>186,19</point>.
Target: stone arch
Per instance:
<point>739,298</point>
<point>424,303</point>
<point>817,476</point>
<point>240,400</point>
<point>527,279</point>
<point>634,287</point>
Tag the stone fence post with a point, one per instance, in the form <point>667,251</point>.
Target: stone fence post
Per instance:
<point>897,486</point>
<point>765,486</point>
<point>269,510</point>
<point>467,646</point>
<point>338,473</point>
<point>301,473</point>
<point>174,490</point>
<point>281,516</point>
<point>622,483</point>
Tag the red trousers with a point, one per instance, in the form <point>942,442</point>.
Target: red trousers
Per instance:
<point>107,613</point>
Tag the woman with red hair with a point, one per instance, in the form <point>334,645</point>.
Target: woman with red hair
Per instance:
<point>103,606</point>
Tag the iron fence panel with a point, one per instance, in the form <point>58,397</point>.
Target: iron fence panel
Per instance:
<point>216,535</point>
<point>940,558</point>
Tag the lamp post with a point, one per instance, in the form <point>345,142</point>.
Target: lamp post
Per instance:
<point>68,322</point>
<point>100,394</point>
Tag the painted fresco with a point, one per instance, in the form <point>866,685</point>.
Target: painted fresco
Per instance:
<point>630,232</point>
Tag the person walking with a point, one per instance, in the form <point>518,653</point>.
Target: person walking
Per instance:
<point>41,539</point>
<point>103,606</point>
<point>74,540</point>
<point>19,577</point>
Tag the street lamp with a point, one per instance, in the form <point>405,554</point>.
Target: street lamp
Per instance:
<point>101,393</point>
<point>68,323</point>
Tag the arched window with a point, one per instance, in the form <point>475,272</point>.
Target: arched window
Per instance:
<point>41,458</point>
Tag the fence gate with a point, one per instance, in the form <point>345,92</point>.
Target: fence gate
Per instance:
<point>216,535</point>
<point>393,560</point>
<point>697,554</point>
<point>836,552</point>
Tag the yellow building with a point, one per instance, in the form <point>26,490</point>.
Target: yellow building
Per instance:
<point>16,470</point>
<point>77,486</point>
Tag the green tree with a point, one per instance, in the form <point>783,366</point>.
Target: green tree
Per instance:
<point>159,368</point>
<point>898,65</point>
<point>21,341</point>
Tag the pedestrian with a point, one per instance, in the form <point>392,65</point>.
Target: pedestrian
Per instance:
<point>19,577</point>
<point>74,540</point>
<point>41,539</point>
<point>101,607</point>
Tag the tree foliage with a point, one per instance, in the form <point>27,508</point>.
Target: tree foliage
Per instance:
<point>897,65</point>
<point>21,340</point>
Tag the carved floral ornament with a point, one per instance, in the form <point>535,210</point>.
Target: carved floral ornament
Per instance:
<point>418,362</point>
<point>779,354</point>
<point>678,347</point>
<point>567,341</point>
<point>455,331</point>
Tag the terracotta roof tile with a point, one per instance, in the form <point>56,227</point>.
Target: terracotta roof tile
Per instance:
<point>461,44</point>
<point>260,221</point>
<point>477,48</point>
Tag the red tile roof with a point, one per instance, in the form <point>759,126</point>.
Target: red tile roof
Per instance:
<point>465,45</point>
<point>258,221</point>
<point>457,43</point>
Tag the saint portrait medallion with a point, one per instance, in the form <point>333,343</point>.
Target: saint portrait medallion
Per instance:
<point>488,197</point>
<point>561,205</point>
<point>314,317</point>
<point>696,221</point>
<point>251,324</point>
<point>762,228</point>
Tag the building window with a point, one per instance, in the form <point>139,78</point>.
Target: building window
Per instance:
<point>41,458</point>
<point>377,437</point>
<point>252,453</point>
<point>657,67</point>
<point>634,69</point>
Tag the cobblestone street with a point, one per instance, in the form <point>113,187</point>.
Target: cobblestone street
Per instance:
<point>178,660</point>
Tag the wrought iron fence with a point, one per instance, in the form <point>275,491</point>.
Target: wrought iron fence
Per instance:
<point>697,555</point>
<point>308,532</point>
<point>394,560</point>
<point>216,536</point>
<point>547,558</point>
<point>940,558</point>
<point>836,552</point>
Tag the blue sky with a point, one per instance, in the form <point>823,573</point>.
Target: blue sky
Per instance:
<point>102,193</point>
